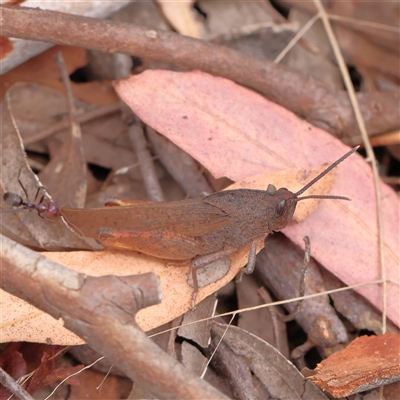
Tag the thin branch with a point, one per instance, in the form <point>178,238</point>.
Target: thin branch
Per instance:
<point>147,168</point>
<point>122,68</point>
<point>68,88</point>
<point>17,390</point>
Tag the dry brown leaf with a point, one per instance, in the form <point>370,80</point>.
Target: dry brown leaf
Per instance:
<point>237,133</point>
<point>366,363</point>
<point>263,364</point>
<point>359,18</point>
<point>66,172</point>
<point>32,71</point>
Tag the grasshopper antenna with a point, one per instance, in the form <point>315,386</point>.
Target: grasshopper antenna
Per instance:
<point>322,174</point>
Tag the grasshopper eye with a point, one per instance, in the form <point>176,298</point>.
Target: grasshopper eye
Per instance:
<point>281,208</point>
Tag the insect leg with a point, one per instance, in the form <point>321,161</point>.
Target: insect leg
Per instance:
<point>306,262</point>
<point>251,261</point>
<point>23,188</point>
<point>37,193</point>
<point>193,272</point>
<point>21,224</point>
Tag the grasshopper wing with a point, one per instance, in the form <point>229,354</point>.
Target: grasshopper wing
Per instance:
<point>187,217</point>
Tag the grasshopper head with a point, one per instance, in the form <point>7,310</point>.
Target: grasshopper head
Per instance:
<point>282,205</point>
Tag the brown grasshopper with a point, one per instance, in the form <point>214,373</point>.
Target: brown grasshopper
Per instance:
<point>201,231</point>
